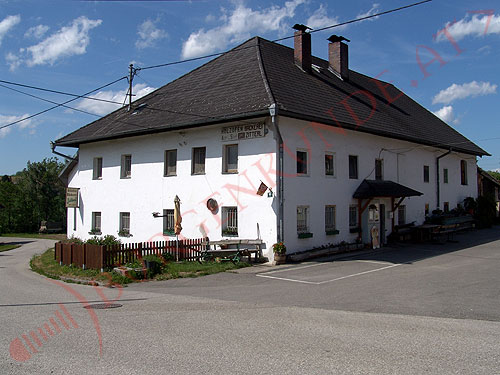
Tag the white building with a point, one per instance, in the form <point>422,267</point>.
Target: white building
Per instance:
<point>314,132</point>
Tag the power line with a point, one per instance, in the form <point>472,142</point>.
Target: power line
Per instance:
<point>287,37</point>
<point>59,92</point>
<point>61,104</point>
<point>47,100</point>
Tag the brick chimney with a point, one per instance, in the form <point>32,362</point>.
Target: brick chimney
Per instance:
<point>302,47</point>
<point>338,56</point>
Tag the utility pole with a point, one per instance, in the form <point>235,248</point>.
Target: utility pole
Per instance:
<point>130,79</point>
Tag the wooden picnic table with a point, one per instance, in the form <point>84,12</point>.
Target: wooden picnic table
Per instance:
<point>233,250</point>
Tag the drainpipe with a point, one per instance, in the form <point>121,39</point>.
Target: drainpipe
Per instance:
<point>437,178</point>
<point>273,111</point>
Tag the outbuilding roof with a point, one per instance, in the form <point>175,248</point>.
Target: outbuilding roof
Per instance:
<point>380,188</point>
<point>245,81</point>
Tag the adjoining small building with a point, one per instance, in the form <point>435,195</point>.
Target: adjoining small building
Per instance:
<point>488,186</point>
<point>269,142</point>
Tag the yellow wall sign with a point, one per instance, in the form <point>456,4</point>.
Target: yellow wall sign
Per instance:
<point>72,197</point>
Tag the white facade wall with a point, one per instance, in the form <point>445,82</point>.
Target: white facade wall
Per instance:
<point>148,191</point>
<point>403,162</point>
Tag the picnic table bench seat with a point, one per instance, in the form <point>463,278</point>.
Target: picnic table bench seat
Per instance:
<point>232,250</point>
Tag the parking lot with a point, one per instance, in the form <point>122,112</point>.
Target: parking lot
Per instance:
<point>453,280</point>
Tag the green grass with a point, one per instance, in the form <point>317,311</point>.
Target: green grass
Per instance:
<point>8,247</point>
<point>45,264</point>
<point>36,235</point>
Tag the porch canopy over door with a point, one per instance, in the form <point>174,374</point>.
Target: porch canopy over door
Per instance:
<point>370,189</point>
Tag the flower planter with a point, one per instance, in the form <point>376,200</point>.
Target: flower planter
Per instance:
<point>279,258</point>
<point>305,235</point>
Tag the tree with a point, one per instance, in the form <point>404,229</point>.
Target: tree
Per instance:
<point>494,174</point>
<point>37,195</point>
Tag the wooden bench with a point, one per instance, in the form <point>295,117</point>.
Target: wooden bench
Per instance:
<point>50,227</point>
<point>443,231</point>
<point>402,233</point>
<point>232,250</point>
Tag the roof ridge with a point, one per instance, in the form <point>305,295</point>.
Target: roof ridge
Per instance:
<point>263,73</point>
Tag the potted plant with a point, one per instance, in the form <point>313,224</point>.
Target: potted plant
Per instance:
<point>279,250</point>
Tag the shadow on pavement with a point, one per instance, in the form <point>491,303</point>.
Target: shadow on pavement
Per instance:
<point>408,253</point>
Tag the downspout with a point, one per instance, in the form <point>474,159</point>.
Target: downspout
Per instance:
<point>273,111</point>
<point>438,187</point>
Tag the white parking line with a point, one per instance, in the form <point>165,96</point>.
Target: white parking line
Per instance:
<point>360,273</point>
<point>326,281</point>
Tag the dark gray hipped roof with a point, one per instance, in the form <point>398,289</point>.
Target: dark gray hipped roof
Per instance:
<point>244,82</point>
<point>380,188</point>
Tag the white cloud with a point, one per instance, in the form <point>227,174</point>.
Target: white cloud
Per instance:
<point>13,61</point>
<point>455,92</point>
<point>373,10</point>
<point>36,31</point>
<point>68,41</point>
<point>7,24</point>
<point>103,108</point>
<point>4,120</point>
<point>237,26</point>
<point>149,34</point>
<point>477,25</point>
<point>320,19</point>
<point>446,114</point>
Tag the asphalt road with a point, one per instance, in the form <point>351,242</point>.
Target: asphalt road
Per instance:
<point>413,310</point>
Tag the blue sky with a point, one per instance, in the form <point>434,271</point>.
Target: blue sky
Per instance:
<point>78,46</point>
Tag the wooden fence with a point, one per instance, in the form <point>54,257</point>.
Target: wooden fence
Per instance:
<point>100,257</point>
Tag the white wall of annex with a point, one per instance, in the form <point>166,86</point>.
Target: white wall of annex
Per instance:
<point>403,162</point>
<point>148,191</point>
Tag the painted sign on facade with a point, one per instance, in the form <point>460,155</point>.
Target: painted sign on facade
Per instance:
<point>238,132</point>
<point>72,197</point>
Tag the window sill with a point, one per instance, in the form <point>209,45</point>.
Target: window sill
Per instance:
<point>302,174</point>
<point>95,233</point>
<point>121,234</point>
<point>198,174</point>
<point>304,235</point>
<point>170,175</point>
<point>229,172</point>
<point>332,232</point>
<point>229,234</point>
<point>169,233</point>
<point>354,230</point>
<point>97,179</point>
<point>125,178</point>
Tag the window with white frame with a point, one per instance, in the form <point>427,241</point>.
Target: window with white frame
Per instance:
<point>379,169</point>
<point>353,167</point>
<point>170,168</point>
<point>446,207</point>
<point>401,214</point>
<point>330,221</point>
<point>301,162</point>
<point>426,173</point>
<point>97,170</point>
<point>302,219</point>
<point>198,160</point>
<point>96,222</point>
<point>329,164</point>
<point>463,172</point>
<point>126,166</point>
<point>229,221</point>
<point>124,223</point>
<point>230,159</point>
<point>168,222</point>
<point>353,216</point>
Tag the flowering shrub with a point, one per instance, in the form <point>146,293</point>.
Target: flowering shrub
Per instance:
<point>279,248</point>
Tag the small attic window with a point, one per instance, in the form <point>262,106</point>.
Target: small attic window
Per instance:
<point>139,108</point>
